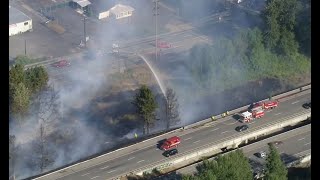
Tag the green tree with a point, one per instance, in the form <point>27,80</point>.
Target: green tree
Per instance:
<point>303,27</point>
<point>146,105</point>
<point>36,78</point>
<point>20,100</point>
<point>172,108</point>
<point>233,166</point>
<point>276,170</point>
<point>23,60</point>
<point>16,76</point>
<point>280,19</point>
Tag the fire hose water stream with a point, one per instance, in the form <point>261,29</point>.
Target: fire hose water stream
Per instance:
<point>154,73</point>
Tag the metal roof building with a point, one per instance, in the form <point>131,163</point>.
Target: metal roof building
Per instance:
<point>18,22</point>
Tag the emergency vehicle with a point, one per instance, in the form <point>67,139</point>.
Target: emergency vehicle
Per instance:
<point>163,45</point>
<point>265,105</point>
<point>170,143</point>
<point>249,116</point>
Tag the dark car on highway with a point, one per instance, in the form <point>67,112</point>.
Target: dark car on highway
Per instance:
<point>61,63</point>
<point>307,105</point>
<point>170,152</point>
<point>242,128</point>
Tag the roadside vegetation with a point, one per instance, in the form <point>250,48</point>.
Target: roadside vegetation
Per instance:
<point>25,60</point>
<point>234,165</point>
<point>279,51</point>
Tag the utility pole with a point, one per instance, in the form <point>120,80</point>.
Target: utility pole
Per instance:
<point>155,8</point>
<point>84,31</point>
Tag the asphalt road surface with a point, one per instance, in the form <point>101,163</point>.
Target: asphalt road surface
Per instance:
<point>106,62</point>
<point>144,154</point>
<point>295,144</point>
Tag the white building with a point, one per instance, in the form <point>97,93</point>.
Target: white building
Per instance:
<point>18,22</point>
<point>100,8</point>
<point>110,9</point>
<point>121,11</point>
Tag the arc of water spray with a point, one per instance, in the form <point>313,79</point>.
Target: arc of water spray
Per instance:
<point>154,73</point>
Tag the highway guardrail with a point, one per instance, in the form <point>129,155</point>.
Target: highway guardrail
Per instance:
<point>195,154</point>
<point>243,108</point>
<point>200,123</point>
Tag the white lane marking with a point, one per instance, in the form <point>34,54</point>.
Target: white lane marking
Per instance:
<point>85,174</point>
<point>268,111</point>
<point>140,161</point>
<point>196,141</point>
<point>301,139</point>
<point>111,171</point>
<point>104,167</point>
<point>188,138</point>
<point>251,122</point>
<point>307,143</point>
<point>295,102</point>
<point>277,114</point>
<point>214,129</point>
<point>106,142</point>
<point>94,177</point>
<point>131,158</point>
<point>224,132</point>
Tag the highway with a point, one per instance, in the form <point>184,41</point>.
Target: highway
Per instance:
<point>107,63</point>
<point>143,154</point>
<point>296,144</point>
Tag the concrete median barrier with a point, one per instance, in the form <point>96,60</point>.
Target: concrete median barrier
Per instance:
<point>217,119</point>
<point>211,149</point>
<point>243,108</point>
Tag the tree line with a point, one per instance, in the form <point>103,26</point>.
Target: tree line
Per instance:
<point>146,105</point>
<point>236,166</point>
<point>280,50</point>
<point>30,95</point>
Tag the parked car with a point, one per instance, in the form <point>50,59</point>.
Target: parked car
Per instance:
<point>275,143</point>
<point>170,152</point>
<point>242,128</point>
<point>307,105</point>
<point>261,154</point>
<point>62,63</point>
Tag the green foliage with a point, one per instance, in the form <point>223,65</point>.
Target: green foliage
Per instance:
<point>233,166</point>
<point>16,74</point>
<point>276,169</point>
<point>146,105</point>
<point>22,84</point>
<point>303,27</point>
<point>244,58</point>
<point>20,99</point>
<point>280,19</point>
<point>24,60</point>
<point>36,78</point>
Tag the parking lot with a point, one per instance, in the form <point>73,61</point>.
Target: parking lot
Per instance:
<point>46,42</point>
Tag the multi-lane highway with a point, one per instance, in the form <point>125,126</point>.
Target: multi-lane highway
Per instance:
<point>295,144</point>
<point>146,153</point>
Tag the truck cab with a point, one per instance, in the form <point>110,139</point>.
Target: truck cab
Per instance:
<point>170,143</point>
<point>246,117</point>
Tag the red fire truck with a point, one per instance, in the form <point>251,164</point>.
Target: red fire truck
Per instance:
<point>163,45</point>
<point>249,116</point>
<point>170,143</point>
<point>265,105</point>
